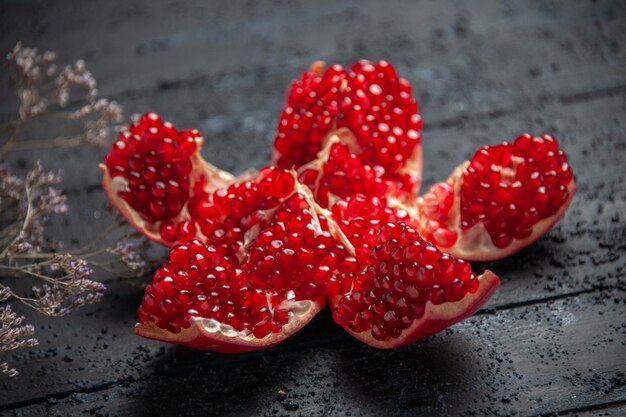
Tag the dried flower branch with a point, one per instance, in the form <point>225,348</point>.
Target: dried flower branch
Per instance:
<point>60,279</point>
<point>13,334</point>
<point>69,92</point>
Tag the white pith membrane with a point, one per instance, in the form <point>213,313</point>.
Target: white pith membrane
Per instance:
<point>202,170</point>
<point>475,244</point>
<point>211,334</point>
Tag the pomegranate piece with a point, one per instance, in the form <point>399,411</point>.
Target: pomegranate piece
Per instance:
<point>502,200</point>
<point>152,171</point>
<point>368,107</point>
<point>202,298</point>
<point>265,264</point>
<point>407,289</point>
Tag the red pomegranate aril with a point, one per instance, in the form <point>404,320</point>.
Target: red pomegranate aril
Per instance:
<point>168,231</point>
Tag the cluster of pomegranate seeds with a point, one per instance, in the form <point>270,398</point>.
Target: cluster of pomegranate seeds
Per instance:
<point>342,175</point>
<point>403,273</point>
<point>154,158</point>
<point>268,238</point>
<point>510,187</point>
<point>434,208</point>
<point>223,217</point>
<point>199,281</point>
<point>361,217</point>
<point>370,100</point>
<point>297,252</point>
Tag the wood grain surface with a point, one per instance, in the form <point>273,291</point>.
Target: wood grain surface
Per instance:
<point>552,340</point>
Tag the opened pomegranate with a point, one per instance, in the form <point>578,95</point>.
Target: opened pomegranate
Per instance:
<point>500,201</point>
<point>368,107</point>
<point>203,299</point>
<point>151,172</point>
<point>338,219</point>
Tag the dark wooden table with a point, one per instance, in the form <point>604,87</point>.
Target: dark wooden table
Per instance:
<point>552,341</point>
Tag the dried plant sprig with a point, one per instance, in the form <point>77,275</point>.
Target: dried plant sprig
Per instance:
<point>45,88</point>
<point>61,279</point>
<point>28,203</point>
<point>13,334</point>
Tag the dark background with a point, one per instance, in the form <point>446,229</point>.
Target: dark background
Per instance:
<point>553,338</point>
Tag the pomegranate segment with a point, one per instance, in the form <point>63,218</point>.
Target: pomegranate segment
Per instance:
<point>203,299</point>
<point>267,257</point>
<point>500,201</point>
<point>297,252</point>
<point>151,172</point>
<point>370,101</point>
<point>408,290</point>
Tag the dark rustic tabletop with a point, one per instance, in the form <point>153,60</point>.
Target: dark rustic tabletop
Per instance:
<point>552,341</point>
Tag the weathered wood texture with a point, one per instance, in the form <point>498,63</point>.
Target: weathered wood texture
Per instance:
<point>552,339</point>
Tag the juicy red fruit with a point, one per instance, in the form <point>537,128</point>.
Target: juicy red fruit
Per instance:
<point>223,217</point>
<point>361,217</point>
<point>405,277</point>
<point>369,100</point>
<point>291,253</point>
<point>510,187</point>
<point>198,281</point>
<point>267,262</point>
<point>343,175</point>
<point>500,201</point>
<point>154,158</point>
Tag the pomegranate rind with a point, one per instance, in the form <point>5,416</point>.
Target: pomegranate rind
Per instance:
<point>436,317</point>
<point>475,244</point>
<point>202,170</point>
<point>209,334</point>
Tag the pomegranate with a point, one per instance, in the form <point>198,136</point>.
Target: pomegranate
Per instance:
<point>271,255</point>
<point>368,107</point>
<point>337,218</point>
<point>500,201</point>
<point>201,298</point>
<point>151,172</point>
